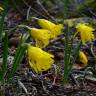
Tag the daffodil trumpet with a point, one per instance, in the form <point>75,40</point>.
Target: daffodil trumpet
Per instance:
<point>1,8</point>
<point>39,60</point>
<point>83,58</point>
<point>41,36</point>
<point>55,29</point>
<point>86,32</point>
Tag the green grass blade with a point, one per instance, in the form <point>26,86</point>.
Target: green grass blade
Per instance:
<point>5,55</point>
<point>67,53</point>
<point>17,61</point>
<point>19,55</point>
<point>4,13</point>
<point>76,50</point>
<point>66,4</point>
<point>3,17</point>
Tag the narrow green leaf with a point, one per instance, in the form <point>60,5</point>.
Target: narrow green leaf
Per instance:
<point>19,55</point>
<point>3,17</point>
<point>75,54</point>
<point>67,53</point>
<point>5,55</point>
<point>66,4</point>
<point>17,61</point>
<point>4,13</point>
<point>76,50</point>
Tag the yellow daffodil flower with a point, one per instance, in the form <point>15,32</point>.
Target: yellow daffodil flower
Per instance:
<point>82,58</point>
<point>54,28</point>
<point>1,9</point>
<point>41,36</point>
<point>85,32</point>
<point>39,60</point>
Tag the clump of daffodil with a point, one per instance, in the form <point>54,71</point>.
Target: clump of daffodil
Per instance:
<point>39,60</point>
<point>55,29</point>
<point>83,58</point>
<point>41,36</point>
<point>86,32</point>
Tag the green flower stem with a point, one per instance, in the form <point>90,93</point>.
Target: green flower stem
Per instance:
<point>24,26</point>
